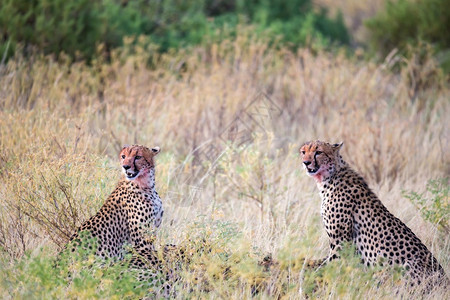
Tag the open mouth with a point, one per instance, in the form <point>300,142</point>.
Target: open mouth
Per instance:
<point>312,171</point>
<point>131,176</point>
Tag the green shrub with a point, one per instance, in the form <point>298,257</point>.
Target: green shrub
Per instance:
<point>407,22</point>
<point>51,26</point>
<point>80,276</point>
<point>347,277</point>
<point>295,21</point>
<point>434,205</point>
<point>77,28</point>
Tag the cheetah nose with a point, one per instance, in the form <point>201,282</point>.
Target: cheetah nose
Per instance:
<point>307,162</point>
<point>126,167</point>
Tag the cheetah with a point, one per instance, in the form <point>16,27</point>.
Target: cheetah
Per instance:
<point>351,212</point>
<point>133,209</point>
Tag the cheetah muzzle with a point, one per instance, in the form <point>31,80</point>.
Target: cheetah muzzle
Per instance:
<point>311,171</point>
<point>129,174</point>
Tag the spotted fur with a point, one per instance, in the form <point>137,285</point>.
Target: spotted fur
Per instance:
<point>132,212</point>
<point>351,212</point>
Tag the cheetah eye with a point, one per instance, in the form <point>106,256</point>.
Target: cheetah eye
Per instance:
<point>303,152</point>
<point>123,156</point>
<point>138,157</point>
<point>318,152</point>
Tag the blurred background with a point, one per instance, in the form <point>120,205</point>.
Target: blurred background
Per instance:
<point>85,29</point>
<point>229,90</point>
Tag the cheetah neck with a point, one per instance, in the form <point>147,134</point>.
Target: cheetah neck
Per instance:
<point>146,181</point>
<point>324,182</point>
<point>146,190</point>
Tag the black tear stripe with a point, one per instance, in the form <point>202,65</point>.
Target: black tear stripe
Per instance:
<point>315,161</point>
<point>134,159</point>
<point>134,164</point>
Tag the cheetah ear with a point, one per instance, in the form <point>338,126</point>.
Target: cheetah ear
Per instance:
<point>156,150</point>
<point>337,147</point>
<point>125,146</point>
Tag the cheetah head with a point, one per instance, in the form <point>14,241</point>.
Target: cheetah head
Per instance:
<point>137,161</point>
<point>320,159</point>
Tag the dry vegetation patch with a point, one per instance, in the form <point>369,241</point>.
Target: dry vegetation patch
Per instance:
<point>236,181</point>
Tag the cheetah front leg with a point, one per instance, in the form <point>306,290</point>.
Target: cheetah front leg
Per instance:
<point>339,231</point>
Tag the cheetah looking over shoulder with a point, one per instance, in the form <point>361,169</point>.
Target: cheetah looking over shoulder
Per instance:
<point>352,212</point>
<point>132,209</point>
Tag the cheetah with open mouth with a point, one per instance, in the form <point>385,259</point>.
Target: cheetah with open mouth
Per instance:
<point>351,212</point>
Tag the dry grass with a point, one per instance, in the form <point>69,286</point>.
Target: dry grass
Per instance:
<point>61,128</point>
